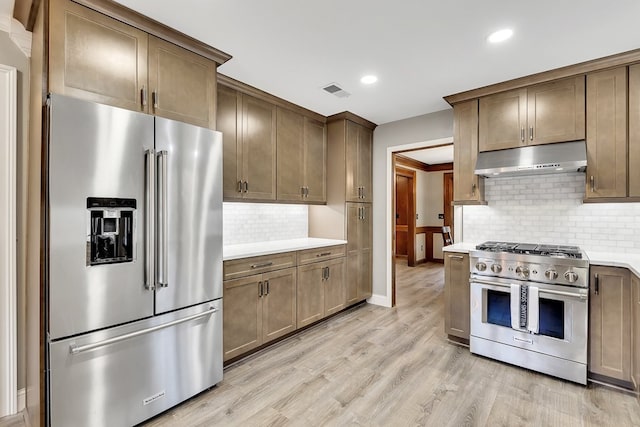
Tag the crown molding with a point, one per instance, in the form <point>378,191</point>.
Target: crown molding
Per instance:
<point>18,34</point>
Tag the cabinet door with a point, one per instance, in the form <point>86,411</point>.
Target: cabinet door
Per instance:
<point>351,161</point>
<point>353,269</point>
<point>229,121</point>
<point>465,152</point>
<point>354,213</point>
<point>635,330</point>
<point>242,316</point>
<point>610,323</point>
<point>290,154</point>
<point>259,148</point>
<point>502,120</point>
<point>315,160</point>
<point>96,58</point>
<point>310,294</point>
<point>456,295</point>
<point>278,304</point>
<point>182,84</point>
<point>335,293</point>
<point>365,284</point>
<point>607,133</point>
<point>365,152</point>
<point>555,111</point>
<point>634,130</point>
<point>365,227</point>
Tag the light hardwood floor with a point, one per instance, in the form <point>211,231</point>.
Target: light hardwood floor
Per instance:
<point>374,366</point>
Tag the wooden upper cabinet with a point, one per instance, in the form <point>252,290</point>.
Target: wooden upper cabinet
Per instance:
<point>634,131</point>
<point>290,155</point>
<point>358,152</point>
<point>229,122</point>
<point>607,133</point>
<point>467,186</point>
<point>502,120</point>
<point>97,58</point>
<point>182,84</point>
<point>540,114</point>
<point>556,112</point>
<point>258,148</point>
<point>315,160</point>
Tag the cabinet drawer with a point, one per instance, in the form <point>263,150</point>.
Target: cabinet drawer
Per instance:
<point>260,264</point>
<point>320,254</point>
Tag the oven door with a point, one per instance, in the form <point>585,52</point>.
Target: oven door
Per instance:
<point>550,319</point>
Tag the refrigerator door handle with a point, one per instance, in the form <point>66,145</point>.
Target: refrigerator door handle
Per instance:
<point>163,228</point>
<point>149,250</point>
<point>75,349</point>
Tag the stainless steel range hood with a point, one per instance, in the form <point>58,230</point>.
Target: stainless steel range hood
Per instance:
<point>533,160</point>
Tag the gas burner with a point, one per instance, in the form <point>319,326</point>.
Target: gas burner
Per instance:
<point>556,251</point>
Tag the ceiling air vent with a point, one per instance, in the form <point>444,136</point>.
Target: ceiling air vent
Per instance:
<point>336,90</point>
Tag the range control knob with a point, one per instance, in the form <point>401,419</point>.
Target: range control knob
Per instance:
<point>481,266</point>
<point>496,268</point>
<point>551,274</point>
<point>571,276</point>
<point>522,271</point>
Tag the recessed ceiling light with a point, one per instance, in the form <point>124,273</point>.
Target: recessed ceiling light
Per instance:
<point>500,35</point>
<point>367,80</point>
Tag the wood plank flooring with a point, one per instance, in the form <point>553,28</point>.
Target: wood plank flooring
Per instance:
<point>374,366</point>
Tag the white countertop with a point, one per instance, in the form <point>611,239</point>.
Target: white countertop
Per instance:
<point>463,247</point>
<point>246,250</point>
<point>630,261</point>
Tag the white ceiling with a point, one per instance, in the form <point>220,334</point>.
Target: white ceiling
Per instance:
<point>432,156</point>
<point>6,7</point>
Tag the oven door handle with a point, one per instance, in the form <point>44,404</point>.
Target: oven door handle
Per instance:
<point>487,282</point>
<point>582,296</point>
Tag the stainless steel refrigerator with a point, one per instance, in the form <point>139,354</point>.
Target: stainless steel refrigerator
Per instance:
<point>134,269</point>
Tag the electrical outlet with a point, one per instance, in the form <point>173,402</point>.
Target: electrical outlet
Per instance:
<point>417,216</point>
<point>440,216</point>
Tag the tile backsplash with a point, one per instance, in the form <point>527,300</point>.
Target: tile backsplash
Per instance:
<point>549,209</point>
<point>260,222</point>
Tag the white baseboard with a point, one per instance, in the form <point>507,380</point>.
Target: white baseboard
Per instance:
<point>381,300</point>
<point>22,399</point>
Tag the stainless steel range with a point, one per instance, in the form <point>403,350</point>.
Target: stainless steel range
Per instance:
<point>529,306</point>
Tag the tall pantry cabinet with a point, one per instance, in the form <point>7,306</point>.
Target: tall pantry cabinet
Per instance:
<point>348,212</point>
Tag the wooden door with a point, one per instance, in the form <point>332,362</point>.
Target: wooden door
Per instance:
<point>467,186</point>
<point>229,121</point>
<point>634,130</point>
<point>635,330</point>
<point>448,198</point>
<point>242,316</point>
<point>610,323</point>
<point>182,84</point>
<point>402,213</point>
<point>502,120</point>
<point>607,133</point>
<point>96,58</point>
<point>315,160</point>
<point>456,295</point>
<point>258,148</point>
<point>351,162</point>
<point>278,304</point>
<point>290,155</point>
<point>365,152</point>
<point>335,293</point>
<point>310,294</point>
<point>555,111</point>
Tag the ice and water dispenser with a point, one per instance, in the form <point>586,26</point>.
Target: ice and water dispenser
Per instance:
<point>110,238</point>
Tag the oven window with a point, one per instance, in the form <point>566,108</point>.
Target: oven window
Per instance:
<point>498,308</point>
<point>551,318</point>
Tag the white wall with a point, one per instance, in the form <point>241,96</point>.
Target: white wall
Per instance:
<point>260,222</point>
<point>549,209</point>
<point>414,130</point>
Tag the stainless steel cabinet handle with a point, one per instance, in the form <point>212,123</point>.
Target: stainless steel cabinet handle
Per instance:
<point>163,229</point>
<point>302,191</point>
<point>363,193</point>
<point>521,134</point>
<point>597,285</point>
<point>75,349</point>
<point>246,186</point>
<point>328,273</point>
<point>363,214</point>
<point>264,264</point>
<point>323,254</point>
<point>531,133</point>
<point>593,183</point>
<point>150,204</point>
<point>455,256</point>
<point>154,98</point>
<point>143,95</point>
<point>260,290</point>
<point>306,191</point>
<point>267,285</point>
<point>473,189</point>
<point>240,186</point>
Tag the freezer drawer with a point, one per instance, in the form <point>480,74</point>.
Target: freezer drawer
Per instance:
<point>100,379</point>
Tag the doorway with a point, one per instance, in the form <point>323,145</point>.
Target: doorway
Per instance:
<point>405,188</point>
<point>448,199</point>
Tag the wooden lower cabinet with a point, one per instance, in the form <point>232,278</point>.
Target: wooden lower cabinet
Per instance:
<point>321,290</point>
<point>258,309</point>
<point>610,321</point>
<point>456,295</point>
<point>635,302</point>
